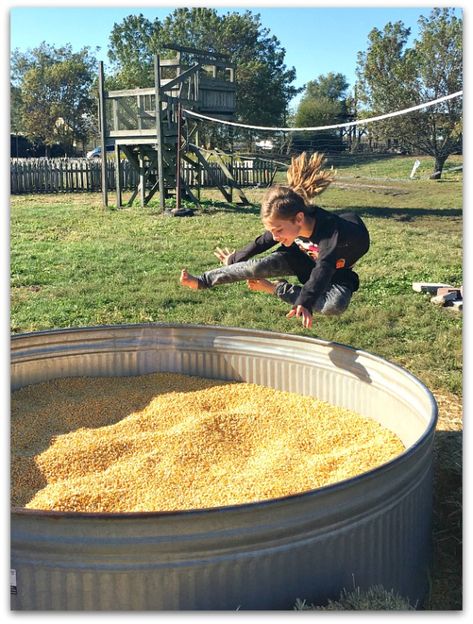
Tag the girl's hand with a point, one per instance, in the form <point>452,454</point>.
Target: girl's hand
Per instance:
<point>304,312</point>
<point>223,254</point>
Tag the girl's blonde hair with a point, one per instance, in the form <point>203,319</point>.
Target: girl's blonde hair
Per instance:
<point>306,179</point>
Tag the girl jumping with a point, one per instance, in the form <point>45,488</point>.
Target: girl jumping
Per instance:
<point>317,246</point>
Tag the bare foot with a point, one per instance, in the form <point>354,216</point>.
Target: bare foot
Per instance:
<point>261,285</point>
<point>188,280</point>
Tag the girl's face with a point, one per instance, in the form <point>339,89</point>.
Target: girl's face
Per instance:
<point>283,230</point>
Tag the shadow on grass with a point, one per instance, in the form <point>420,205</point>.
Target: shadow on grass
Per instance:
<point>446,573</point>
<point>75,404</point>
<point>400,214</point>
<point>210,207</point>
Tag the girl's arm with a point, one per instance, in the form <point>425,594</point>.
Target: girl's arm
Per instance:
<point>302,312</point>
<point>322,273</point>
<point>317,283</point>
<point>262,243</point>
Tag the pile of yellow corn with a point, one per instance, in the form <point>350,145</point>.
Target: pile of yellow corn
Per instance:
<point>165,442</point>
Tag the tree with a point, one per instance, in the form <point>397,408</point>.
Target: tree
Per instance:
<point>331,86</point>
<point>15,118</point>
<point>392,77</point>
<point>264,87</point>
<point>15,109</point>
<point>324,103</point>
<point>53,88</point>
<point>132,46</point>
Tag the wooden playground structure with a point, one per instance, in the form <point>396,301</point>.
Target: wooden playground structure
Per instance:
<point>147,126</point>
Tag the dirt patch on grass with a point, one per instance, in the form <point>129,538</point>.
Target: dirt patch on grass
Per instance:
<point>372,188</point>
<point>450,411</point>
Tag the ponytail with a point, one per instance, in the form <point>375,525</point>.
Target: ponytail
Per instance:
<point>306,179</point>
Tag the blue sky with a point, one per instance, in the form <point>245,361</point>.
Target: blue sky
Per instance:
<point>317,39</point>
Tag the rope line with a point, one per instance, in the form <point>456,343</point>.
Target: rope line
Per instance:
<point>332,127</point>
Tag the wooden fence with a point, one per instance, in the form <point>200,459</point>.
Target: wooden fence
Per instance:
<point>58,175</point>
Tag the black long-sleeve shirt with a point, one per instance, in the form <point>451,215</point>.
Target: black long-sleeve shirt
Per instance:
<point>325,257</point>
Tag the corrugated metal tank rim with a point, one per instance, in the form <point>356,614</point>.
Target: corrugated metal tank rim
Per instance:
<point>25,344</point>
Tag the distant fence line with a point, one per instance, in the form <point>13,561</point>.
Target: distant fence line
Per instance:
<point>60,175</point>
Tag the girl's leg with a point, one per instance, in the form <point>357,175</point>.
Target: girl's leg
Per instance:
<point>288,292</point>
<point>332,302</point>
<point>273,265</point>
<point>262,285</point>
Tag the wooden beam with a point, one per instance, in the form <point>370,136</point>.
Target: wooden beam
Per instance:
<point>273,175</point>
<point>170,63</point>
<point>187,187</point>
<point>229,175</point>
<point>195,150</point>
<point>118,175</point>
<point>132,157</point>
<point>152,192</point>
<point>159,129</point>
<point>178,157</point>
<point>129,92</point>
<point>205,53</point>
<point>149,132</point>
<point>167,86</point>
<point>132,198</point>
<point>103,129</point>
<point>142,186</point>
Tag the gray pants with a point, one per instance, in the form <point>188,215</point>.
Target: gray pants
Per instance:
<point>333,301</point>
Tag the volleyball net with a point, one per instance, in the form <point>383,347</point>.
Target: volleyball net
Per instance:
<point>364,146</point>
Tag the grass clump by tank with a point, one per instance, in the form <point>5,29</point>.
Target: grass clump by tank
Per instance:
<point>375,598</point>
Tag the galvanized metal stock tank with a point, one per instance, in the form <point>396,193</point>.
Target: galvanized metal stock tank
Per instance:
<point>372,529</point>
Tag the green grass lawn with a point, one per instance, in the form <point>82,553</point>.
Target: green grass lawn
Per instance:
<point>371,167</point>
<point>397,167</point>
<point>74,263</point>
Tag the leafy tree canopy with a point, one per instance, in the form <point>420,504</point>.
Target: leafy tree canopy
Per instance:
<point>323,102</point>
<point>393,77</point>
<point>52,87</point>
<point>331,87</point>
<point>264,83</point>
